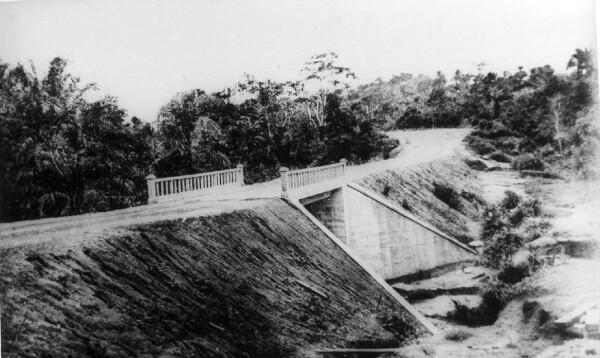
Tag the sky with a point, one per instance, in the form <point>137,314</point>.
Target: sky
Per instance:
<point>145,51</point>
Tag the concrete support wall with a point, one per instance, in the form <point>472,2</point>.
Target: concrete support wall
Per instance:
<point>393,244</point>
<point>328,208</point>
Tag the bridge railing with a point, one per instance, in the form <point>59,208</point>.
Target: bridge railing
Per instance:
<point>159,188</point>
<point>294,179</point>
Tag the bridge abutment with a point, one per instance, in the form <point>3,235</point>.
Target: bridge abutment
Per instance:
<point>329,209</point>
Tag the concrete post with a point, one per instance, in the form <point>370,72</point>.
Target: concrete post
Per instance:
<point>343,161</point>
<point>240,168</point>
<point>283,171</point>
<point>151,188</point>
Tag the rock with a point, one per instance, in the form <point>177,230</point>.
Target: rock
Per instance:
<point>476,243</point>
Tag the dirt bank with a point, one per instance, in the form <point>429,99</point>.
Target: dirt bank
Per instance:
<point>526,327</point>
<point>262,281</point>
<point>414,189</point>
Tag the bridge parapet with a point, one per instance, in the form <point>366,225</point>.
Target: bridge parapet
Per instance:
<point>160,188</point>
<point>303,181</point>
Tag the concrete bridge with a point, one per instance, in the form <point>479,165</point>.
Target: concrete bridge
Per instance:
<point>395,243</point>
<point>389,239</point>
<point>385,240</point>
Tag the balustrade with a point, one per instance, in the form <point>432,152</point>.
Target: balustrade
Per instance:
<point>294,179</point>
<point>161,187</point>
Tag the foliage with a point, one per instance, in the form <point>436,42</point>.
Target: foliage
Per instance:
<point>62,154</point>
<point>548,115</point>
<point>527,161</point>
<point>502,248</point>
<point>447,194</point>
<point>502,231</point>
<point>458,335</point>
<point>495,296</point>
<point>510,201</point>
<point>500,157</point>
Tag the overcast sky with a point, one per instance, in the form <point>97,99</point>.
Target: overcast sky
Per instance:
<point>144,52</point>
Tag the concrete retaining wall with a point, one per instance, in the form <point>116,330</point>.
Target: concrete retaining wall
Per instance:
<point>328,208</point>
<point>392,241</point>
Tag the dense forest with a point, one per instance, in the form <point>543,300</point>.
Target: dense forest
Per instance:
<point>63,154</point>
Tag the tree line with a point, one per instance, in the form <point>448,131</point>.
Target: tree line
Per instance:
<point>63,154</point>
<point>534,120</point>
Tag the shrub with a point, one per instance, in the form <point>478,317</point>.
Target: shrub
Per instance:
<point>494,298</point>
<point>476,164</point>
<point>547,151</point>
<point>517,217</point>
<point>534,229</point>
<point>532,208</point>
<point>501,157</point>
<point>502,248</point>
<point>507,144</point>
<point>458,336</point>
<point>510,201</point>
<point>471,197</point>
<point>500,131</point>
<point>493,223</point>
<point>527,162</point>
<point>479,145</point>
<point>447,194</point>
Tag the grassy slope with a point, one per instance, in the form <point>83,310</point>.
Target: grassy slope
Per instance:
<point>415,185</point>
<point>221,285</point>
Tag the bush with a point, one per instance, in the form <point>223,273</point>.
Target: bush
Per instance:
<point>547,151</point>
<point>501,157</point>
<point>502,248</point>
<point>494,299</point>
<point>472,197</point>
<point>479,145</point>
<point>493,223</point>
<point>447,194</point>
<point>534,229</point>
<point>458,336</point>
<point>527,162</point>
<point>532,208</point>
<point>507,144</point>
<point>510,201</point>
<point>476,164</point>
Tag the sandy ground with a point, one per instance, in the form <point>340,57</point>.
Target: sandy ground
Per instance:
<point>558,289</point>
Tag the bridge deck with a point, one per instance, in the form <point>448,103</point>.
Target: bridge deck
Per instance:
<point>423,146</point>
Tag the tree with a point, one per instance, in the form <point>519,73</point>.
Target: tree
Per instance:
<point>321,70</point>
<point>583,63</point>
<point>189,135</point>
<point>63,155</point>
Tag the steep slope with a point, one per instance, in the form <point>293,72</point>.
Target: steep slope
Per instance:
<point>413,188</point>
<point>262,281</point>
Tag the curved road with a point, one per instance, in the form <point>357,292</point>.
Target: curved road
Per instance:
<point>416,147</point>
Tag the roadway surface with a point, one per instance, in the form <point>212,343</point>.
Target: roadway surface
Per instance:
<point>416,147</point>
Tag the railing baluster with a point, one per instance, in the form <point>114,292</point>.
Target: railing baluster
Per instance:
<point>194,182</point>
